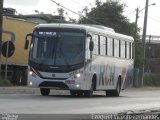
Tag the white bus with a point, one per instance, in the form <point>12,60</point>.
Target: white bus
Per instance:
<point>80,58</point>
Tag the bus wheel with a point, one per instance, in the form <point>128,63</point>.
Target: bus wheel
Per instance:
<point>73,92</point>
<point>110,93</point>
<point>89,93</point>
<point>116,92</point>
<point>80,93</point>
<point>45,91</point>
<point>118,88</point>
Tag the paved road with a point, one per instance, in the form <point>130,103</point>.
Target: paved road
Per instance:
<point>132,99</point>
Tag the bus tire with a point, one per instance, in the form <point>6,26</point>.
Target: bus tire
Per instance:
<point>116,92</point>
<point>110,93</point>
<point>118,88</point>
<point>94,81</point>
<point>73,92</point>
<point>80,93</point>
<point>89,93</point>
<point>44,91</point>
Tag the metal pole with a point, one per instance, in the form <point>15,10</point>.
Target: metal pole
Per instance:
<point>137,15</point>
<point>144,38</point>
<point>6,61</point>
<point>1,26</point>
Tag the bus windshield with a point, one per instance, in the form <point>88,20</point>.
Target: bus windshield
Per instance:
<point>57,48</point>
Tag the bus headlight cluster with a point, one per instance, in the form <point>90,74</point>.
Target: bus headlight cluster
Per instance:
<point>77,75</point>
<point>77,85</point>
<point>31,73</point>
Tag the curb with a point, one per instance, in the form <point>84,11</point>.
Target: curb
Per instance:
<point>18,90</point>
<point>29,90</point>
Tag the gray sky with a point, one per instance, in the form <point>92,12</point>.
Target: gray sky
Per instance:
<point>46,6</point>
<point>22,2</point>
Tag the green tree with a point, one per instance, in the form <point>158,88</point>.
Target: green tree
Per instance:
<point>110,14</point>
<point>60,11</point>
<point>62,19</point>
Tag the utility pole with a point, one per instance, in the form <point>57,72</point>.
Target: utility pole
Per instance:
<point>144,38</point>
<point>137,16</point>
<point>1,22</point>
<point>1,25</point>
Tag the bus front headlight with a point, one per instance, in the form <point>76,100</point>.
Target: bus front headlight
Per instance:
<point>31,73</point>
<point>77,75</point>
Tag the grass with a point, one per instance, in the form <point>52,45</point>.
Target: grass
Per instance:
<point>152,80</point>
<point>4,83</point>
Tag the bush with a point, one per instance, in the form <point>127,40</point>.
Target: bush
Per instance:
<point>152,80</point>
<point>4,83</point>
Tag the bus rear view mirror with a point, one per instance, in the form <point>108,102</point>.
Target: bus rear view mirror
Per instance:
<point>27,41</point>
<point>26,44</point>
<point>91,45</point>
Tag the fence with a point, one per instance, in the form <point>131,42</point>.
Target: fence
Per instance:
<point>150,79</point>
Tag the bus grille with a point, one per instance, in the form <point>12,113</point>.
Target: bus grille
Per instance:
<point>54,85</point>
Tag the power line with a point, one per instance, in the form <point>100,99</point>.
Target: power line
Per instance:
<point>58,4</point>
<point>66,8</point>
<point>130,13</point>
<point>154,19</point>
<point>77,2</point>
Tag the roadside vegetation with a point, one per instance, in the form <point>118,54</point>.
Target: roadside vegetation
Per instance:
<point>152,80</point>
<point>5,83</point>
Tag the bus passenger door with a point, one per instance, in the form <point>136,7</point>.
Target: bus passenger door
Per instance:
<point>88,61</point>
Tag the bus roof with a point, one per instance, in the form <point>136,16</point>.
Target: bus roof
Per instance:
<point>90,28</point>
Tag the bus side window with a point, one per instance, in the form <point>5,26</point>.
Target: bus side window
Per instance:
<point>116,48</point>
<point>131,48</point>
<point>88,55</point>
<point>110,46</point>
<point>106,46</point>
<point>131,51</point>
<point>102,45</point>
<point>122,49</point>
<point>128,50</point>
<point>95,40</point>
<point>113,48</point>
<point>99,45</point>
<point>119,48</point>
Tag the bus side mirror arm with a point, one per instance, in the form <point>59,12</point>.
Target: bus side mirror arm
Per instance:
<point>27,41</point>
